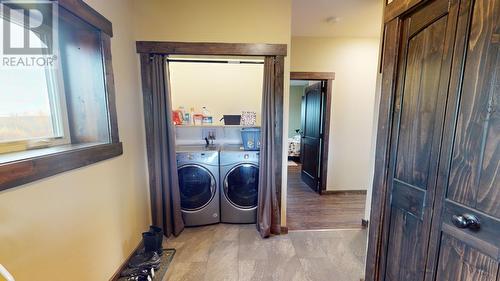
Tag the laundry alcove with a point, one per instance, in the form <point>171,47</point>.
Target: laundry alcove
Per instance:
<point>164,191</point>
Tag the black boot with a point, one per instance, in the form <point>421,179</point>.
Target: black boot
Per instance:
<point>150,242</point>
<point>159,238</point>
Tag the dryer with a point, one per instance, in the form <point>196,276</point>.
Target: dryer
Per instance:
<point>198,171</point>
<point>239,179</point>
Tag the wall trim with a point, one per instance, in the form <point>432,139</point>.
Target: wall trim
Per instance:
<point>344,192</point>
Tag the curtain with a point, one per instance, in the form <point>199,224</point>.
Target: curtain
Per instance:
<point>164,183</point>
<point>268,210</point>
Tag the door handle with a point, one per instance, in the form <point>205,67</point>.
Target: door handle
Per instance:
<point>466,221</point>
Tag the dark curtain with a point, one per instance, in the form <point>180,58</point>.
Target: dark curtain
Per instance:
<point>164,183</point>
<point>268,211</point>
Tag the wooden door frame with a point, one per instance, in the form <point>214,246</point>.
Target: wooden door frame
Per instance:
<point>388,69</point>
<point>328,78</point>
<point>277,52</point>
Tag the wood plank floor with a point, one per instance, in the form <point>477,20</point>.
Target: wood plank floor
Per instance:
<point>307,210</point>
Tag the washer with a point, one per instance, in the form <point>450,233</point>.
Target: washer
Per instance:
<point>198,170</point>
<point>239,170</point>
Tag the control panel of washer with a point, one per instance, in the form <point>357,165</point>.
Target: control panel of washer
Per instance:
<point>200,157</point>
<point>234,157</point>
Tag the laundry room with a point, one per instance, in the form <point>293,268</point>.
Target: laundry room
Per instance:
<point>216,109</point>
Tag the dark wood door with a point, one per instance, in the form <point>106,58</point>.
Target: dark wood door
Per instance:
<point>469,179</point>
<point>312,114</point>
<point>420,103</point>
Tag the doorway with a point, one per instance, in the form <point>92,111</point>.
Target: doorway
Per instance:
<point>310,206</point>
<point>309,126</point>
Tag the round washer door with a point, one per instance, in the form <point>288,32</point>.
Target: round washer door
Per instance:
<point>197,187</point>
<point>241,186</point>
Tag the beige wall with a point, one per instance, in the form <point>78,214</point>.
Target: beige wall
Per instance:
<point>82,224</point>
<point>256,21</point>
<point>354,61</point>
<point>294,107</point>
<point>223,88</point>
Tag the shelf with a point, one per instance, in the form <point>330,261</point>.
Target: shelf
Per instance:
<point>216,125</point>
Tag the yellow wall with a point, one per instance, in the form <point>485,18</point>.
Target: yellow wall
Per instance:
<point>82,224</point>
<point>354,61</point>
<point>294,109</point>
<point>231,21</point>
<point>223,88</point>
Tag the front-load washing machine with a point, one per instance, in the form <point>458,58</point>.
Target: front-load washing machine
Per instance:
<point>198,170</point>
<point>239,171</point>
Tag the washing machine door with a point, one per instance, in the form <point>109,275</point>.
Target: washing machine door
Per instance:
<point>240,186</point>
<point>197,187</point>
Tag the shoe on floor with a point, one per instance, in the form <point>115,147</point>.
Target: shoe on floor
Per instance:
<point>146,259</point>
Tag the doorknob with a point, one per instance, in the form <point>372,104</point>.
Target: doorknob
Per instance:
<point>466,221</point>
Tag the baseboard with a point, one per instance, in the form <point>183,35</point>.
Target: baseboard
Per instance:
<point>284,230</point>
<point>116,276</point>
<point>343,192</point>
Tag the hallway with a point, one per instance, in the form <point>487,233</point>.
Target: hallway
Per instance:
<point>307,210</point>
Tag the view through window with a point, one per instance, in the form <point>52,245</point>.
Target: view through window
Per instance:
<point>30,106</point>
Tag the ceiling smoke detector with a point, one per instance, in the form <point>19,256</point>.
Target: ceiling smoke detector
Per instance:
<point>332,20</point>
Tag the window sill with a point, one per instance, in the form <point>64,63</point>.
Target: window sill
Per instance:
<point>26,166</point>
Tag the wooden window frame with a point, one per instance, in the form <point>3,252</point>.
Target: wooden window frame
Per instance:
<point>328,78</point>
<point>19,168</point>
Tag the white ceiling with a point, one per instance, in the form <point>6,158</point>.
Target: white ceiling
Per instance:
<point>356,18</point>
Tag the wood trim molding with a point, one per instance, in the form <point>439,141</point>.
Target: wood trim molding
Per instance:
<point>296,75</point>
<point>88,14</point>
<point>379,192</point>
<point>284,230</point>
<point>23,171</point>
<point>343,192</point>
<point>399,7</point>
<point>326,135</point>
<point>204,48</point>
<point>109,82</point>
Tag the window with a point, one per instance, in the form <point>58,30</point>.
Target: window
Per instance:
<point>32,103</point>
<point>56,116</point>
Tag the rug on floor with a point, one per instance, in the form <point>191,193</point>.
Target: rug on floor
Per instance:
<point>166,259</point>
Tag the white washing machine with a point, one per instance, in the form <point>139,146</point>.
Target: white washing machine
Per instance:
<point>198,170</point>
<point>239,179</point>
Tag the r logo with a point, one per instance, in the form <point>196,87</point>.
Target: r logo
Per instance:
<point>36,18</point>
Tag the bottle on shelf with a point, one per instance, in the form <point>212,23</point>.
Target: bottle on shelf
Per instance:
<point>191,112</point>
<point>207,117</point>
